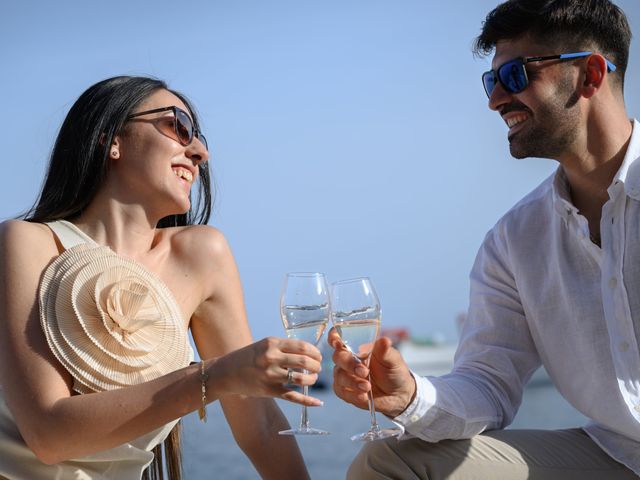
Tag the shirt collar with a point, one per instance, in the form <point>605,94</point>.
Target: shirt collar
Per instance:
<point>561,196</point>
<point>628,174</point>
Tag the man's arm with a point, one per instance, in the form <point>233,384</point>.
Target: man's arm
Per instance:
<point>495,358</point>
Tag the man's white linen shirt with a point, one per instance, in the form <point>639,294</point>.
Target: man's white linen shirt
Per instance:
<point>543,293</point>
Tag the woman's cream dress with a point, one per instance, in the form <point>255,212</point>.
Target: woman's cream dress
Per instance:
<point>112,324</point>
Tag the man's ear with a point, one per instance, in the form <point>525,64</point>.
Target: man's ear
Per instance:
<point>595,75</point>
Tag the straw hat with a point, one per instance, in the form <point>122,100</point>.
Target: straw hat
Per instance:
<point>109,321</point>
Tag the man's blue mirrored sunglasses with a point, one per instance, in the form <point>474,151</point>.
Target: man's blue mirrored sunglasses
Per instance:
<point>512,75</point>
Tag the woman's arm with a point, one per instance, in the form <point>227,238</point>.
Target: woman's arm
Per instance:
<point>58,425</point>
<point>220,326</point>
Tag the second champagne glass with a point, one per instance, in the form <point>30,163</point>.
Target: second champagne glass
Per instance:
<point>356,317</point>
<point>305,312</point>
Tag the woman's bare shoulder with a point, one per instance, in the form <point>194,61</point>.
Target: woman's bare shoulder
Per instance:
<point>26,246</point>
<point>22,234</point>
<point>199,240</point>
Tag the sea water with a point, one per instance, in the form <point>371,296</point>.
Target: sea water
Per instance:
<point>211,453</point>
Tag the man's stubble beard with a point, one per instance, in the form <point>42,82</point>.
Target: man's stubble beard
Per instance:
<point>554,127</point>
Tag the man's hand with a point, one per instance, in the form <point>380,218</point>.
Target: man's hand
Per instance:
<point>392,384</point>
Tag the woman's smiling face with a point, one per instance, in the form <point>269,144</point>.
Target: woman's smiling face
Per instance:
<point>153,168</point>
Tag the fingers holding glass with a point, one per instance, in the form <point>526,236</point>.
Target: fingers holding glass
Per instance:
<point>305,311</point>
<point>296,378</point>
<point>288,390</point>
<point>351,389</point>
<point>356,318</point>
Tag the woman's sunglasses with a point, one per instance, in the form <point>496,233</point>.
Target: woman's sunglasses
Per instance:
<point>512,75</point>
<point>182,125</point>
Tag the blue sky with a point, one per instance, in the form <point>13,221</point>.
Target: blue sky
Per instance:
<point>349,137</point>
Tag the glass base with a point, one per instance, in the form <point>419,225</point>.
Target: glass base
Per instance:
<point>304,431</point>
<point>376,434</point>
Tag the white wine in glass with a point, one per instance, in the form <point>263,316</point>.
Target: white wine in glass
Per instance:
<point>305,312</point>
<point>356,316</point>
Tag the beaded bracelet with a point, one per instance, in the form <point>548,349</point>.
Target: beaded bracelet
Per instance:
<point>204,376</point>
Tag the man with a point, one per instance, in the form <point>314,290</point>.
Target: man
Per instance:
<point>556,281</point>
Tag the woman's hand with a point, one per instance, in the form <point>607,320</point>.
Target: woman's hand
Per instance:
<point>392,383</point>
<point>262,370</point>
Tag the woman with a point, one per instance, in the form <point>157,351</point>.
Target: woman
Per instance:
<point>96,301</point>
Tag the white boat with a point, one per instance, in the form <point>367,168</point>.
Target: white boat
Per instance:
<point>424,356</point>
<point>434,357</point>
<point>427,358</point>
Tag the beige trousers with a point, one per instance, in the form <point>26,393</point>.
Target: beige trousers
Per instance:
<point>497,455</point>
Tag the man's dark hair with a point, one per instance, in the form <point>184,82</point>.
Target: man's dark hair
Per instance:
<point>571,25</point>
<point>79,161</point>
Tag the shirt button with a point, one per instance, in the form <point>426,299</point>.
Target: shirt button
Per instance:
<point>613,282</point>
<point>623,347</point>
<point>415,418</point>
<point>637,407</point>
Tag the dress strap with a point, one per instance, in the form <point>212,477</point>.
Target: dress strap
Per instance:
<point>68,234</point>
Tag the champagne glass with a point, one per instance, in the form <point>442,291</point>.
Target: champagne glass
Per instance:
<point>356,316</point>
<point>305,312</point>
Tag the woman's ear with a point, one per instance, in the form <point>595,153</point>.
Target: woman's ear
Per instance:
<point>114,150</point>
<point>595,74</point>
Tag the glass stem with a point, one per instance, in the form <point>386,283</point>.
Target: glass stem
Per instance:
<point>304,419</point>
<point>372,410</point>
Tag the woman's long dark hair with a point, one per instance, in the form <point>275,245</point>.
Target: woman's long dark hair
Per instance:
<point>80,158</point>
<point>77,169</point>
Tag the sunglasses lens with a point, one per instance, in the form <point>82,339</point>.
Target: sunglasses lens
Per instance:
<point>184,127</point>
<point>513,76</point>
<point>489,82</point>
